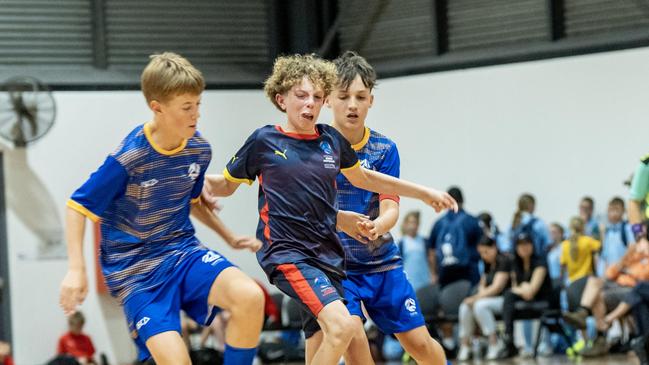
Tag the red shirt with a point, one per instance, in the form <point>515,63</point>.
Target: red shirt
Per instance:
<point>76,345</point>
<point>8,361</point>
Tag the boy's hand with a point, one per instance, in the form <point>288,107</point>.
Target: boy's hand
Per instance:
<point>210,200</point>
<point>246,242</point>
<point>440,200</point>
<point>369,229</point>
<point>354,225</point>
<point>74,289</point>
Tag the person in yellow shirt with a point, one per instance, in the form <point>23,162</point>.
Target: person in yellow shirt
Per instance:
<point>579,252</point>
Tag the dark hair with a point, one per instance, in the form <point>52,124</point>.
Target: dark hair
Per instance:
<point>559,227</point>
<point>487,241</point>
<point>588,200</point>
<point>456,194</point>
<point>349,65</point>
<point>617,201</point>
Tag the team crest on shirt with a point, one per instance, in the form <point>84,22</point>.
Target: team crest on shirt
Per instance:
<point>410,305</point>
<point>194,170</point>
<point>328,158</point>
<point>326,148</point>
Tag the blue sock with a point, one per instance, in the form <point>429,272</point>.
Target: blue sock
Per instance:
<point>238,356</point>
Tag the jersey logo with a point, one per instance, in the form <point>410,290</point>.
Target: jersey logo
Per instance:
<point>148,183</point>
<point>326,148</point>
<point>411,305</point>
<point>194,170</point>
<point>142,322</point>
<point>234,158</point>
<point>210,257</point>
<point>366,164</point>
<point>283,154</point>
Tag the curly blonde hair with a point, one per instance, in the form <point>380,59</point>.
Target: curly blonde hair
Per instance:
<point>289,71</point>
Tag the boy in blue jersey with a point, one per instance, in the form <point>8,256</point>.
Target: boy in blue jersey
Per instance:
<point>375,275</point>
<point>297,164</point>
<point>153,264</point>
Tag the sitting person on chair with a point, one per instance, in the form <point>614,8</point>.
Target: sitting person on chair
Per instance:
<point>75,343</point>
<point>530,283</point>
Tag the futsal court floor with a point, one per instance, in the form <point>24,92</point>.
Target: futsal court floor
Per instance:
<point>616,359</point>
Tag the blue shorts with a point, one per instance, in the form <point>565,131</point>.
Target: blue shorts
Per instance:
<point>158,310</point>
<point>310,286</point>
<point>388,298</point>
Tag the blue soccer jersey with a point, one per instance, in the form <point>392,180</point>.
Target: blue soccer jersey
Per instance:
<point>142,195</point>
<point>375,152</point>
<point>297,193</point>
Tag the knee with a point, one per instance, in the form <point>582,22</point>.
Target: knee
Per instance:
<point>341,329</point>
<point>424,349</point>
<point>250,299</point>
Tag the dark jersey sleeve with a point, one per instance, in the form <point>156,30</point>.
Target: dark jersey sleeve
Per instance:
<point>348,157</point>
<point>94,196</point>
<point>243,167</point>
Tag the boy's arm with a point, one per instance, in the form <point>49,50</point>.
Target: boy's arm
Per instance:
<point>74,287</point>
<point>380,183</point>
<point>388,217</point>
<point>218,185</point>
<point>206,216</point>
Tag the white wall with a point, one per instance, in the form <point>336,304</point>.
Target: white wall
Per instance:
<point>558,128</point>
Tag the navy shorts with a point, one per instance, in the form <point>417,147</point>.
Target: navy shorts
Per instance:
<point>388,298</point>
<point>312,287</point>
<point>158,310</point>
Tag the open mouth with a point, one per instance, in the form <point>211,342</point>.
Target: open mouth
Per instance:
<point>352,116</point>
<point>307,116</point>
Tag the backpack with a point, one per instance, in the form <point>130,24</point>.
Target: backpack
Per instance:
<point>624,238</point>
<point>450,244</point>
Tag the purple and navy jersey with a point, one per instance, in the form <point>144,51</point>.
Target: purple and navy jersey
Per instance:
<point>142,195</point>
<point>379,153</point>
<point>297,193</point>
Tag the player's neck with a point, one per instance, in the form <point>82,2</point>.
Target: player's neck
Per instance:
<point>299,128</point>
<point>352,135</point>
<point>163,136</point>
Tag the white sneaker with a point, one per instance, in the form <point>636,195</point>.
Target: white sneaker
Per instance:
<point>464,354</point>
<point>527,354</point>
<point>495,350</point>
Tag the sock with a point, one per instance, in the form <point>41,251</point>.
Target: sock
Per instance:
<point>238,356</point>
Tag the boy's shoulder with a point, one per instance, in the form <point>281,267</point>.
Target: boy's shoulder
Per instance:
<point>133,141</point>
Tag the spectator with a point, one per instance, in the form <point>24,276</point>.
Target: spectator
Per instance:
<point>75,343</point>
<point>5,354</point>
<point>487,302</point>
<point>530,283</point>
<point>490,229</point>
<point>413,251</point>
<point>586,209</point>
<point>617,236</point>
<point>524,222</point>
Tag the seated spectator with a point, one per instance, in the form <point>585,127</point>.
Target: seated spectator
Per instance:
<point>413,252</point>
<point>530,283</point>
<point>5,354</point>
<point>75,343</point>
<point>482,306</point>
<point>586,210</point>
<point>490,229</point>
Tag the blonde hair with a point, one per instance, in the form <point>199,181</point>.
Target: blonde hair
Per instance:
<point>169,74</point>
<point>577,230</point>
<point>289,71</point>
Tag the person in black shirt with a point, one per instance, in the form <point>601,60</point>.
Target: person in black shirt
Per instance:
<point>482,306</point>
<point>530,282</point>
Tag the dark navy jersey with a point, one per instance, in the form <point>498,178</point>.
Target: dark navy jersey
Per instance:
<point>142,196</point>
<point>297,193</point>
<point>379,153</point>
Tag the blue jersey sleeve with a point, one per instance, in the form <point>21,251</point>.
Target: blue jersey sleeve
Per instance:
<point>96,194</point>
<point>243,166</point>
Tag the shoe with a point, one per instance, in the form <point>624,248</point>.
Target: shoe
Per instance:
<point>494,350</point>
<point>577,318</point>
<point>509,351</point>
<point>639,347</point>
<point>464,354</point>
<point>596,347</point>
<point>527,354</point>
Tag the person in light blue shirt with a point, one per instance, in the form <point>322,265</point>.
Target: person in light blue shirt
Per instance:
<point>617,236</point>
<point>413,252</point>
<point>524,221</point>
<point>586,210</point>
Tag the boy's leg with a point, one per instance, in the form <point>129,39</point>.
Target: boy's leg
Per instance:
<point>423,348</point>
<point>358,351</point>
<point>312,344</point>
<point>337,331</point>
<point>168,348</point>
<point>237,293</point>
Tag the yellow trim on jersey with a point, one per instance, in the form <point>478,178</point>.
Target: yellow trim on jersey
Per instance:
<point>358,163</point>
<point>83,210</point>
<point>227,175</point>
<point>195,200</point>
<point>363,142</point>
<point>160,150</point>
